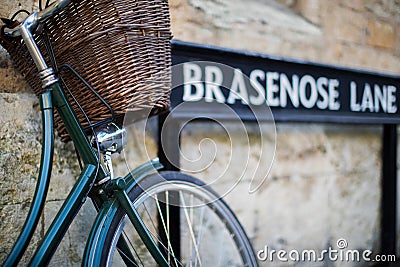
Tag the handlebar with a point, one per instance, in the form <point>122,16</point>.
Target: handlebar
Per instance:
<point>51,10</point>
<point>36,18</point>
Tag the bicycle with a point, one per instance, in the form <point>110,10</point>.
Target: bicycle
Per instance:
<point>136,213</point>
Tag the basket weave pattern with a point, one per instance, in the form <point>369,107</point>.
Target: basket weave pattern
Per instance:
<point>121,47</point>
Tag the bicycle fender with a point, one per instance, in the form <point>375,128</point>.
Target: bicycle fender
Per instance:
<point>96,239</point>
<point>97,236</point>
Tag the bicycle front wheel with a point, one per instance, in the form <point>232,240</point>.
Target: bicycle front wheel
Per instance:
<point>190,223</point>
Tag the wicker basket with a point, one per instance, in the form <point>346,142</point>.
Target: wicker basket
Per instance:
<point>121,47</point>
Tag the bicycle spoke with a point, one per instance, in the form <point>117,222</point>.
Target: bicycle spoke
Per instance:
<point>220,253</point>
<point>133,248</point>
<point>166,228</point>
<point>124,255</point>
<point>153,233</point>
<point>191,219</point>
<point>190,227</point>
<point>200,232</point>
<point>152,222</point>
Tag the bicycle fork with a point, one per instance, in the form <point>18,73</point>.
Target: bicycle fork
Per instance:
<point>119,188</point>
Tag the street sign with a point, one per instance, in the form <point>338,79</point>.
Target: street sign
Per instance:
<point>207,77</point>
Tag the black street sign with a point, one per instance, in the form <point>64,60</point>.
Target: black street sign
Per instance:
<point>206,77</point>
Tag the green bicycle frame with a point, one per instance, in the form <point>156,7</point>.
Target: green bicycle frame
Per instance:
<point>92,173</point>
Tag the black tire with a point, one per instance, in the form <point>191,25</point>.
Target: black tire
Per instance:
<point>217,223</point>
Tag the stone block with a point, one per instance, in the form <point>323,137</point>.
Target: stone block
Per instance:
<point>228,155</point>
<point>225,24</point>
<point>380,34</point>
<point>362,57</point>
<point>12,218</point>
<point>343,24</point>
<point>310,9</point>
<point>11,81</point>
<point>292,213</point>
<point>71,248</point>
<point>382,9</point>
<point>357,5</point>
<point>18,147</point>
<point>396,41</point>
<point>356,216</point>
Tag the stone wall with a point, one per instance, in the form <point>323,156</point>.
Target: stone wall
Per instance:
<point>324,182</point>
